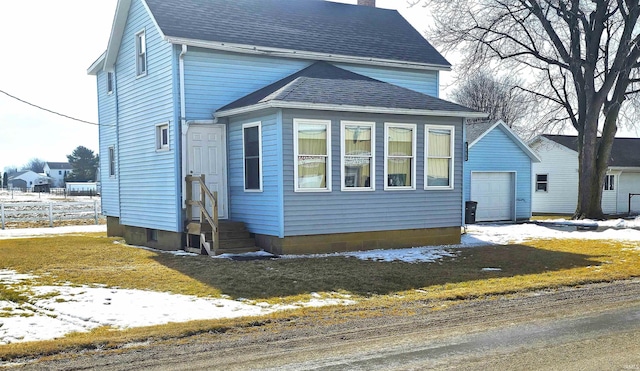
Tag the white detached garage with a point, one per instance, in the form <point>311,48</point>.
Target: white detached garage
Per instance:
<point>498,172</point>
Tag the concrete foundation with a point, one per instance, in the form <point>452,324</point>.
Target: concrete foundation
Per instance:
<point>154,238</point>
<point>340,242</point>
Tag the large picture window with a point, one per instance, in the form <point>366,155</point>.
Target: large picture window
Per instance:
<point>399,156</point>
<point>252,152</point>
<point>358,156</point>
<point>439,149</point>
<point>312,147</point>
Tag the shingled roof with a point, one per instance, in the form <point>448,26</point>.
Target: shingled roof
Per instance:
<point>59,165</point>
<point>315,26</point>
<point>325,85</point>
<point>624,153</point>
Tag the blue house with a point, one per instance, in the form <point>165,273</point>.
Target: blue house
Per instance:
<point>317,126</point>
<point>498,172</point>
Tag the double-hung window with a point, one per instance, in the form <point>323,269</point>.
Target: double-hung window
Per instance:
<point>162,137</point>
<point>609,182</point>
<point>141,54</point>
<point>439,150</point>
<point>312,148</point>
<point>252,152</point>
<point>358,156</point>
<point>399,156</point>
<point>109,82</point>
<point>542,182</point>
<point>112,161</point>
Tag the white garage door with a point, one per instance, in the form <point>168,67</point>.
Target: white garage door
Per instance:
<point>494,193</point>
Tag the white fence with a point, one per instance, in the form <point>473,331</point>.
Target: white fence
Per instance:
<point>48,211</point>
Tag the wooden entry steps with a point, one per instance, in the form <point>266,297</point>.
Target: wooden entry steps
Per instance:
<point>233,238</point>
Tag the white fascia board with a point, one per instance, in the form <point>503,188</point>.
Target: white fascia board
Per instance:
<point>514,137</point>
<point>117,30</point>
<point>346,108</point>
<point>97,66</point>
<point>485,133</point>
<point>300,54</point>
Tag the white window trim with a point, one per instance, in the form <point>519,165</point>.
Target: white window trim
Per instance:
<point>414,129</point>
<point>426,156</point>
<point>615,186</point>
<point>296,123</point>
<point>138,53</point>
<point>110,82</point>
<point>112,150</point>
<point>257,124</point>
<point>536,183</point>
<point>372,177</point>
<point>161,147</point>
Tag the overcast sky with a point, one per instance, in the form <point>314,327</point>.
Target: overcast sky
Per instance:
<point>47,47</point>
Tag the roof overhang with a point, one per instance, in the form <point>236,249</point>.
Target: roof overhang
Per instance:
<point>97,66</point>
<point>516,139</point>
<point>346,108</point>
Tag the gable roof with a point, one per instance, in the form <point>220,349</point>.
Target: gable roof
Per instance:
<point>624,153</point>
<point>59,165</point>
<point>308,29</point>
<point>323,86</point>
<point>477,130</point>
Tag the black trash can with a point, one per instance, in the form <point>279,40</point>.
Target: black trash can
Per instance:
<point>470,212</point>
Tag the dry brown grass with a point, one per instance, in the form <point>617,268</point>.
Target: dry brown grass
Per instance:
<point>379,287</point>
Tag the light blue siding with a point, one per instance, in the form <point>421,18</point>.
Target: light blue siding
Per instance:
<point>425,82</point>
<point>148,189</point>
<point>259,210</point>
<point>107,110</point>
<point>214,79</point>
<point>496,151</point>
<point>341,212</point>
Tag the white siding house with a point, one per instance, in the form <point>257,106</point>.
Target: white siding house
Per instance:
<point>57,171</point>
<point>555,177</point>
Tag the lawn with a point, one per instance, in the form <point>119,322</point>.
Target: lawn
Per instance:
<point>94,259</point>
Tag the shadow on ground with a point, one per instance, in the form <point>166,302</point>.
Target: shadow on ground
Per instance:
<point>285,277</point>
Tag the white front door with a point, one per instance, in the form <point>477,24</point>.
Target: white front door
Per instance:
<point>494,193</point>
<point>207,154</point>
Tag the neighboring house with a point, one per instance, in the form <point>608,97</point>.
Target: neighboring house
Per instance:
<point>57,171</point>
<point>556,176</point>
<point>27,179</point>
<point>497,174</point>
<point>317,124</point>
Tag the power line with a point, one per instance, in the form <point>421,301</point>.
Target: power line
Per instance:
<point>50,111</point>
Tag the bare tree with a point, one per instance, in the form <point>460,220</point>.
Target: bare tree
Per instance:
<point>581,56</point>
<point>498,96</point>
<point>35,164</point>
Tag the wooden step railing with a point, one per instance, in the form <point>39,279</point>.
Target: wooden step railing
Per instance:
<point>208,245</point>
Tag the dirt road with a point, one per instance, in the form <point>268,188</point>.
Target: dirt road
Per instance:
<point>591,327</point>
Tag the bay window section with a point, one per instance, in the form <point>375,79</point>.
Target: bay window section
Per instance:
<point>312,142</point>
<point>400,156</point>
<point>358,156</point>
<point>252,151</point>
<point>439,147</point>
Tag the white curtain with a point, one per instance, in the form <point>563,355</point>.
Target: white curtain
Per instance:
<point>439,158</point>
<point>312,156</point>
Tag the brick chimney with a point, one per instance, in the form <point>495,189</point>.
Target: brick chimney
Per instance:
<point>367,3</point>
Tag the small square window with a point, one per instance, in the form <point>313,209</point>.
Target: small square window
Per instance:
<point>152,235</point>
<point>162,137</point>
<point>542,182</point>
